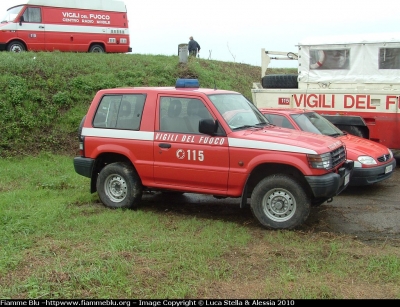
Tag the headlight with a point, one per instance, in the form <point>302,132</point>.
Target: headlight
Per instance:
<point>320,161</point>
<point>391,154</point>
<point>367,160</point>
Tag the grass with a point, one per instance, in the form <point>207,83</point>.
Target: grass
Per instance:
<point>58,241</point>
<point>44,95</point>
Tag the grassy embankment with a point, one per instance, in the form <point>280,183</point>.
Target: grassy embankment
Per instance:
<point>58,241</point>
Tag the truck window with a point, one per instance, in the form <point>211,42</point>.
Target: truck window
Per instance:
<point>279,120</point>
<point>120,112</point>
<point>237,110</point>
<point>329,59</point>
<point>11,14</point>
<point>32,14</point>
<point>389,58</point>
<point>182,115</point>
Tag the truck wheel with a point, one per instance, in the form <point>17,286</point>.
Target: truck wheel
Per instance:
<point>16,47</point>
<point>279,81</point>
<point>119,186</point>
<point>354,130</point>
<point>279,202</point>
<point>97,48</point>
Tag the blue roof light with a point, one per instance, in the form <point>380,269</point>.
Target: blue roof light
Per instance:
<point>187,83</point>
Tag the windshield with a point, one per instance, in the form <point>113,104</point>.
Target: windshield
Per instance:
<point>11,14</point>
<point>238,112</point>
<point>313,122</point>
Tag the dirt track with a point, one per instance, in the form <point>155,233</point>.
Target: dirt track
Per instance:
<point>369,213</point>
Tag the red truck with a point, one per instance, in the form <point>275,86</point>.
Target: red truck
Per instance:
<point>187,139</point>
<point>66,25</point>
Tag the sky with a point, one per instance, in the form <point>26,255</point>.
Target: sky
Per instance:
<point>235,31</point>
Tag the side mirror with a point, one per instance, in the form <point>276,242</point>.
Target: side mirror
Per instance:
<point>21,19</point>
<point>208,126</point>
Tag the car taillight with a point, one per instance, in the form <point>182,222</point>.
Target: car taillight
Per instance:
<point>81,147</point>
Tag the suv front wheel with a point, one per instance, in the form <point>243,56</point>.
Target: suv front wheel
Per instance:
<point>279,202</point>
<point>119,186</point>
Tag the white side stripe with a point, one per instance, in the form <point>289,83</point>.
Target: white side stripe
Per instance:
<point>243,143</point>
<point>233,142</point>
<point>67,28</point>
<point>119,134</point>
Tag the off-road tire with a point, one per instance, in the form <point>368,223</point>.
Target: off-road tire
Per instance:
<point>279,202</point>
<point>279,81</point>
<point>119,186</point>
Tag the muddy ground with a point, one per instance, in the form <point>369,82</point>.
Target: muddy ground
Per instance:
<point>369,213</point>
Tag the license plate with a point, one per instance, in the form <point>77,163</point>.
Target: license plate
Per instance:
<point>346,179</point>
<point>388,169</point>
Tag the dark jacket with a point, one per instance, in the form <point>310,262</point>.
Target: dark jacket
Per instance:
<point>193,46</point>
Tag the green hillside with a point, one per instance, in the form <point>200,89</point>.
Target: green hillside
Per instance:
<point>44,95</point>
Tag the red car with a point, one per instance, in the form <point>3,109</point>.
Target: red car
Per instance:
<point>373,162</point>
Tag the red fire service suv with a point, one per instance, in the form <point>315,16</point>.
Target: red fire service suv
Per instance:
<point>66,25</point>
<point>373,162</point>
<point>199,140</point>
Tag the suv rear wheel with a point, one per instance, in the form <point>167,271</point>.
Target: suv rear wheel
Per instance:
<point>119,186</point>
<point>279,202</point>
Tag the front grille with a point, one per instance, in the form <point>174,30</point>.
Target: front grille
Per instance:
<point>384,158</point>
<point>338,156</point>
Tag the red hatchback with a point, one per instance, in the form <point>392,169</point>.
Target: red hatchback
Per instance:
<point>373,162</point>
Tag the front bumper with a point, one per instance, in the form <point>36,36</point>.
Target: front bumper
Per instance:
<point>332,184</point>
<point>367,176</point>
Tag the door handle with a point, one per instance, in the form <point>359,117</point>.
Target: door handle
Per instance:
<point>41,27</point>
<point>164,145</point>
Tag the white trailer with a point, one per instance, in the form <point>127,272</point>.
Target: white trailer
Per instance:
<point>352,80</point>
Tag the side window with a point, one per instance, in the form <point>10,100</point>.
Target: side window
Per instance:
<point>389,58</point>
<point>182,115</point>
<point>279,120</point>
<point>32,14</point>
<point>120,112</point>
<point>330,59</point>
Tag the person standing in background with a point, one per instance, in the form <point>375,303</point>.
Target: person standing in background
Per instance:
<point>193,47</point>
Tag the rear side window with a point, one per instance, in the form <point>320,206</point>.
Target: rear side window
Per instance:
<point>120,112</point>
<point>389,58</point>
<point>330,59</point>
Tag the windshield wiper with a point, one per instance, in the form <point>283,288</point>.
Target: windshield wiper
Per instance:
<point>335,134</point>
<point>258,126</point>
